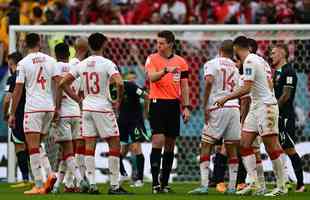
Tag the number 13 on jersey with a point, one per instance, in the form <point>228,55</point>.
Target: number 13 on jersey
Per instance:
<point>92,82</point>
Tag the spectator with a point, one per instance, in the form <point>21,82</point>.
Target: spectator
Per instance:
<point>37,16</point>
<point>244,14</point>
<point>144,10</point>
<point>108,14</point>
<point>60,10</point>
<point>155,19</point>
<point>177,8</point>
<point>204,11</point>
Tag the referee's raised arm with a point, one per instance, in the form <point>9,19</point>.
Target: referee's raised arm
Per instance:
<point>168,81</point>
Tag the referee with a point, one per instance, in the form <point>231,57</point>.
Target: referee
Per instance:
<point>285,81</point>
<point>168,76</point>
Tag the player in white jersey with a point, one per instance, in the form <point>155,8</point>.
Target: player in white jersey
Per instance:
<point>221,77</point>
<point>68,124</point>
<point>98,118</point>
<point>37,72</point>
<point>262,118</point>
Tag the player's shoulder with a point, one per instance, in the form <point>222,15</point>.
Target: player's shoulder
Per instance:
<point>74,61</point>
<point>212,62</point>
<point>289,69</point>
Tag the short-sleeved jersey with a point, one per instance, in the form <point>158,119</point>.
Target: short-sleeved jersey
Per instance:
<point>168,87</point>
<point>10,88</point>
<point>95,73</point>
<point>69,107</point>
<point>285,77</point>
<point>241,83</point>
<point>130,108</point>
<point>226,78</point>
<point>258,71</point>
<point>36,71</point>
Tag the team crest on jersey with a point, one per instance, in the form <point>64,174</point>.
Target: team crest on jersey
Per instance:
<point>248,71</point>
<point>289,80</point>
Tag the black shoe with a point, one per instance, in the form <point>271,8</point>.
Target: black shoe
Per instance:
<point>118,191</point>
<point>167,189</point>
<point>156,189</point>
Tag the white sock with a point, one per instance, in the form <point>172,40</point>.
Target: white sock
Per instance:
<point>35,163</point>
<point>61,173</point>
<point>249,163</point>
<point>90,169</point>
<point>233,172</point>
<point>80,160</point>
<point>114,171</point>
<point>69,179</point>
<point>204,173</point>
<point>73,167</point>
<point>283,158</point>
<point>278,171</point>
<point>261,175</point>
<point>45,162</point>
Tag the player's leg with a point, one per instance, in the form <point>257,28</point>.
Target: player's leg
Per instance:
<point>220,165</point>
<point>124,151</point>
<point>136,150</point>
<point>62,168</point>
<point>79,149</point>
<point>260,168</point>
<point>286,133</point>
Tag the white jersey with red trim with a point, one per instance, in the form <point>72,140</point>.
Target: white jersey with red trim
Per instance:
<point>69,107</point>
<point>95,73</point>
<point>226,78</point>
<point>257,70</point>
<point>74,61</point>
<point>36,71</point>
<point>241,83</point>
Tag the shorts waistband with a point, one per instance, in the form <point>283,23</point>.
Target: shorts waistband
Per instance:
<point>165,101</point>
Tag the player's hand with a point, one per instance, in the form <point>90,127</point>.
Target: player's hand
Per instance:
<point>11,121</point>
<point>220,102</point>
<point>186,115</point>
<point>56,117</point>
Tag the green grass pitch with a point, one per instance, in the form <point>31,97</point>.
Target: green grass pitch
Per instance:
<point>144,193</point>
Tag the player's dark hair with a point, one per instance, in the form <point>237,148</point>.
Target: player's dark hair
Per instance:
<point>252,45</point>
<point>227,48</point>
<point>284,48</point>
<point>32,40</point>
<point>241,42</point>
<point>62,51</point>
<point>96,41</point>
<point>168,35</point>
<point>15,57</point>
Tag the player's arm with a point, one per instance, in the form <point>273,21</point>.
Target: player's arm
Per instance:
<point>17,94</point>
<point>245,103</point>
<point>117,79</point>
<point>208,86</point>
<point>185,92</point>
<point>6,105</point>
<point>65,85</point>
<point>290,81</point>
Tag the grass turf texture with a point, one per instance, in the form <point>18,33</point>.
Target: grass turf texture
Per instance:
<point>144,193</point>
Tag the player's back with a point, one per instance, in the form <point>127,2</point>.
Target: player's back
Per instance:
<point>226,78</point>
<point>95,72</point>
<point>36,70</point>
<point>257,70</point>
<point>68,106</point>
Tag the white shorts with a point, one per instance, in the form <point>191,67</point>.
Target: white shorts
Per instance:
<point>262,119</point>
<point>37,122</point>
<point>223,123</point>
<point>102,124</point>
<point>68,129</point>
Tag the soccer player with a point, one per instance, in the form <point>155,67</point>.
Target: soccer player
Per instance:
<point>98,117</point>
<point>285,81</point>
<point>38,73</point>
<point>168,76</point>
<point>221,78</point>
<point>262,118</point>
<point>68,125</point>
<point>18,135</point>
<point>131,125</point>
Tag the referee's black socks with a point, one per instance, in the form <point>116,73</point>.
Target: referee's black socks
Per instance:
<point>22,161</point>
<point>140,166</point>
<point>167,166</point>
<point>220,163</point>
<point>155,165</point>
<point>297,165</point>
<point>121,167</point>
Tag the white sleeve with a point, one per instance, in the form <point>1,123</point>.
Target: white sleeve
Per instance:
<point>249,70</point>
<point>112,69</point>
<point>56,70</point>
<point>74,71</point>
<point>20,74</point>
<point>209,69</point>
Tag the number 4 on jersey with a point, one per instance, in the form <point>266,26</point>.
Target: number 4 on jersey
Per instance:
<point>40,78</point>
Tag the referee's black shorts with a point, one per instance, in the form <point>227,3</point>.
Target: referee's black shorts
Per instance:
<point>164,116</point>
<point>287,132</point>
